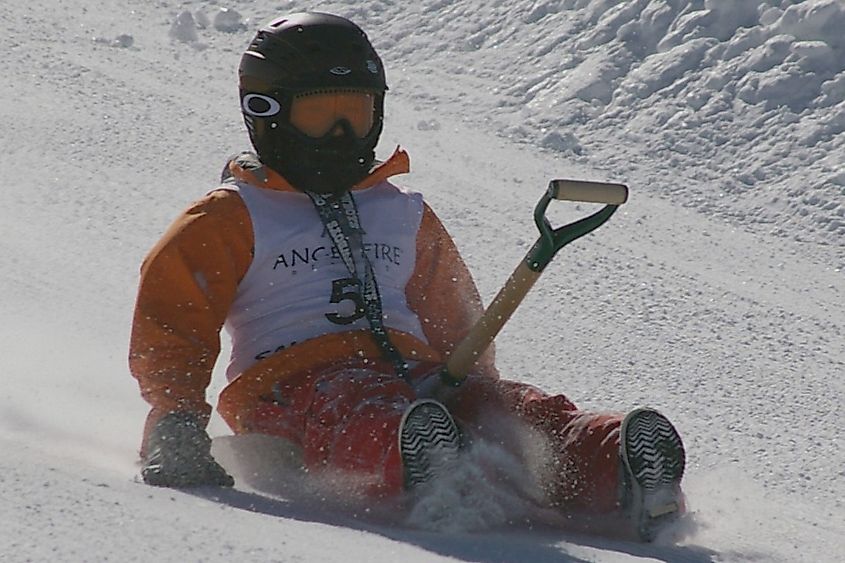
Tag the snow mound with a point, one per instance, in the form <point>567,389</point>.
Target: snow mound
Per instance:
<point>739,105</point>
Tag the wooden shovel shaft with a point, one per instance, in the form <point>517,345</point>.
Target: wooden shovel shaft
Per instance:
<point>491,322</point>
<point>526,274</point>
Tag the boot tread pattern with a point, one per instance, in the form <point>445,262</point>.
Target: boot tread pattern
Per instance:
<point>654,450</point>
<point>654,459</point>
<point>428,440</point>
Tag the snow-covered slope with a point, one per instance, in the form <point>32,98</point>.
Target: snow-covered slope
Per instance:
<point>715,294</point>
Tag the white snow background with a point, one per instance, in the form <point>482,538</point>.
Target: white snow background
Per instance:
<point>716,294</point>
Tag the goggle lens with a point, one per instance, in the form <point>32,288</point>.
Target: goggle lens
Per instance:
<point>317,114</point>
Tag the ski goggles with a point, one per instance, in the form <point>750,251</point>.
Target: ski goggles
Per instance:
<point>319,113</point>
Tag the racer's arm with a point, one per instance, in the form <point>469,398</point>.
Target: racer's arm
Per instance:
<point>188,282</point>
<point>443,294</point>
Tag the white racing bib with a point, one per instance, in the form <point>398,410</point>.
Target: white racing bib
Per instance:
<point>297,286</point>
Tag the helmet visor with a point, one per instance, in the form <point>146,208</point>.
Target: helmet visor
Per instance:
<point>317,114</point>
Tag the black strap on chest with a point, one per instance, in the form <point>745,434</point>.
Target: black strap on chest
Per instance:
<point>339,214</point>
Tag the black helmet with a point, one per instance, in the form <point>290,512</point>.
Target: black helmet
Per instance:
<point>304,53</point>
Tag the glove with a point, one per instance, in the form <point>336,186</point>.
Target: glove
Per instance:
<point>179,455</point>
<point>434,385</point>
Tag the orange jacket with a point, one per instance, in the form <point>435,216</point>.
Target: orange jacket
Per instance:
<point>177,322</point>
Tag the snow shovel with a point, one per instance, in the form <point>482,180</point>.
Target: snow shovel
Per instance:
<point>529,269</point>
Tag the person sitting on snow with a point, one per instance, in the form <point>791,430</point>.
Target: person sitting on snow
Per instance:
<point>343,295</point>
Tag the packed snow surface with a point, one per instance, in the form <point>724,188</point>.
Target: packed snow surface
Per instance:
<point>716,294</point>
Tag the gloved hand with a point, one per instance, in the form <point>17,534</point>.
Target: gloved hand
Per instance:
<point>179,455</point>
<point>433,385</point>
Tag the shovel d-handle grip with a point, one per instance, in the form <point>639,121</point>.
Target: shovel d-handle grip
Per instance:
<point>520,282</point>
<point>552,240</point>
<point>588,192</point>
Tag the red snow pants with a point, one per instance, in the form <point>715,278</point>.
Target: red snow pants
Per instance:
<point>347,420</point>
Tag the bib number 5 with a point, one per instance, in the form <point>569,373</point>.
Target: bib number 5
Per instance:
<point>346,289</point>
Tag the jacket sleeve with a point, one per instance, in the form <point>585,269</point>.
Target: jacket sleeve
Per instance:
<point>443,294</point>
<point>188,282</point>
